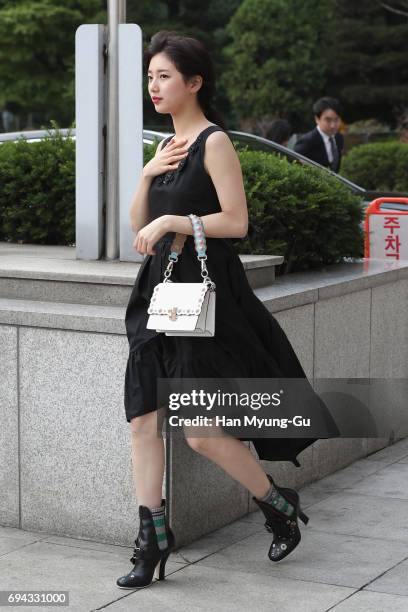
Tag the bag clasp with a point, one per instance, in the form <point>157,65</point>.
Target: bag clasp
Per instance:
<point>173,313</point>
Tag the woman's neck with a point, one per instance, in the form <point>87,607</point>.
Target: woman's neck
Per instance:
<point>189,125</point>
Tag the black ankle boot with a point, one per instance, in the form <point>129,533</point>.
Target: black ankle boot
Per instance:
<point>149,560</point>
<point>292,496</point>
<point>284,528</point>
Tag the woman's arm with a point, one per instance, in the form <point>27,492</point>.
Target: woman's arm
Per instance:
<point>222,164</point>
<point>139,207</point>
<point>162,161</point>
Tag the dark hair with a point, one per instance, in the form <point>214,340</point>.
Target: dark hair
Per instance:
<point>324,103</point>
<point>279,131</point>
<point>190,57</point>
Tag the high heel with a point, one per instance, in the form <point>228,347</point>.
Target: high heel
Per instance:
<point>285,528</point>
<point>149,560</point>
<point>303,517</point>
<point>290,495</point>
<point>159,569</point>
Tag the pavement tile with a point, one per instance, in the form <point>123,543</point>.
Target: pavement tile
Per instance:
<point>350,475</point>
<point>364,601</point>
<point>198,588</point>
<point>395,581</point>
<point>88,575</point>
<point>22,534</point>
<point>389,482</point>
<point>335,559</point>
<point>362,515</point>
<point>219,539</point>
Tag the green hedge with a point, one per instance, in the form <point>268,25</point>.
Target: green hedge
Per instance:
<point>300,212</point>
<point>296,211</point>
<point>380,166</point>
<point>37,191</point>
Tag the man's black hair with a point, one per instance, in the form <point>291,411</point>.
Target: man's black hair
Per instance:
<point>279,131</point>
<point>324,103</point>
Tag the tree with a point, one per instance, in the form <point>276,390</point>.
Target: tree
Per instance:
<point>365,46</point>
<point>37,63</point>
<point>276,67</point>
<point>37,54</point>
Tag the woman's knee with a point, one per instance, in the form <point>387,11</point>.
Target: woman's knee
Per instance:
<point>201,438</point>
<point>199,445</point>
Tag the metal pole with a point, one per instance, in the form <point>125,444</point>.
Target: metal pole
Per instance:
<point>116,14</point>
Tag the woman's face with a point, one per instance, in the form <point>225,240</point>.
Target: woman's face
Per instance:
<point>166,83</point>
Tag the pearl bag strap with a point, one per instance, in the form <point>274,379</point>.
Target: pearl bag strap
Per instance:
<point>200,247</point>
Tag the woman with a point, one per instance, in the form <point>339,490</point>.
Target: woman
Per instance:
<point>197,171</point>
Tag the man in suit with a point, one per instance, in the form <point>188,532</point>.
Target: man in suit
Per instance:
<point>324,144</point>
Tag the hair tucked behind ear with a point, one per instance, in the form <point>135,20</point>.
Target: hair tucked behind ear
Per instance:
<point>190,57</point>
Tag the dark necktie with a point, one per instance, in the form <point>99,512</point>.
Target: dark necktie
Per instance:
<point>335,153</point>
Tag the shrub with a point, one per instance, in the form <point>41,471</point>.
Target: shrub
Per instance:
<point>300,212</point>
<point>380,166</point>
<point>297,211</point>
<point>37,191</point>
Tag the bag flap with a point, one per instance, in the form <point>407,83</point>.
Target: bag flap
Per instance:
<point>187,298</point>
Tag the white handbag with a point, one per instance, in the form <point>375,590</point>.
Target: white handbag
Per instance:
<point>184,309</point>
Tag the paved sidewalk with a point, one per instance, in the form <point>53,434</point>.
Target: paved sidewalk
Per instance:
<point>353,556</point>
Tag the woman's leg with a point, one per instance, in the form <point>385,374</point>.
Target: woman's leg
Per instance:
<point>148,459</point>
<point>155,540</point>
<point>230,454</point>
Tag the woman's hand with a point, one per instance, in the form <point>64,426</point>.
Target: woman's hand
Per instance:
<point>149,234</point>
<point>166,159</point>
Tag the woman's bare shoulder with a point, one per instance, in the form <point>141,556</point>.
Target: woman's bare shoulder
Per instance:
<point>218,137</point>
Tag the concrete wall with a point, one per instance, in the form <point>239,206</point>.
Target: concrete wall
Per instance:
<point>65,461</point>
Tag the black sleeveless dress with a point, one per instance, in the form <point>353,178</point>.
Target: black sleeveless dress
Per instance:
<point>248,341</point>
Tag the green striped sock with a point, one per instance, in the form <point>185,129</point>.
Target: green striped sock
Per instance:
<point>159,525</point>
<point>277,500</point>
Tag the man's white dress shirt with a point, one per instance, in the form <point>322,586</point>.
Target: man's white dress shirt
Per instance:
<point>327,144</point>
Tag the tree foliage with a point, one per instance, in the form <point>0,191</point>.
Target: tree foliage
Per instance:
<point>37,54</point>
<point>37,61</point>
<point>365,47</point>
<point>272,57</point>
<point>276,67</point>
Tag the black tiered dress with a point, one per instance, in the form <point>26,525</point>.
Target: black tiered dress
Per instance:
<point>248,341</point>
